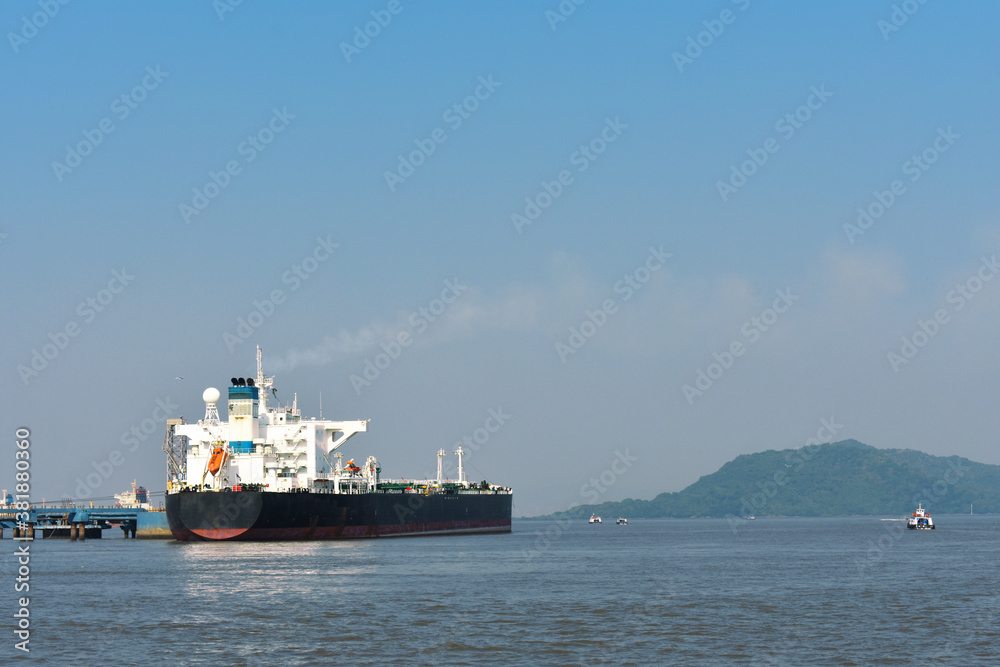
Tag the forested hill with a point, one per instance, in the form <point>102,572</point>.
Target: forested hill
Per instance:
<point>841,478</point>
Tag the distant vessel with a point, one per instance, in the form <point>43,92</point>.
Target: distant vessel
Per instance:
<point>920,520</point>
<point>594,518</point>
<point>622,521</point>
<point>751,517</point>
<point>137,497</point>
<point>270,474</point>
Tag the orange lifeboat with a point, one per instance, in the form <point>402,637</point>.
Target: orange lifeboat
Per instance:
<point>217,460</point>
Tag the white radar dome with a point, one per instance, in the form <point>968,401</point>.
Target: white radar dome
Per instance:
<point>211,395</point>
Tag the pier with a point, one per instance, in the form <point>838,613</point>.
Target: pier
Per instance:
<point>81,523</point>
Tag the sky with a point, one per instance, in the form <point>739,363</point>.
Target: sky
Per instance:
<point>608,246</point>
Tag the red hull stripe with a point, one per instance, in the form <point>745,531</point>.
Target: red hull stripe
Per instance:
<point>218,533</point>
<point>348,532</point>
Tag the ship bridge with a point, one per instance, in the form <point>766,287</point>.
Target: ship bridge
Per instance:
<point>273,447</point>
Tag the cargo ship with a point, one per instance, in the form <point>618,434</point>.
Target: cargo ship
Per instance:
<point>267,473</point>
<point>137,497</point>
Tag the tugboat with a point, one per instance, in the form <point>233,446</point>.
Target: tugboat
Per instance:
<point>594,518</point>
<point>920,520</point>
<point>622,521</point>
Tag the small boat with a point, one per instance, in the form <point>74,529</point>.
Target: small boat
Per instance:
<point>751,517</point>
<point>594,518</point>
<point>920,519</point>
<point>622,521</point>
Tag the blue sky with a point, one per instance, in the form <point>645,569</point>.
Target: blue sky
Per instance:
<point>200,83</point>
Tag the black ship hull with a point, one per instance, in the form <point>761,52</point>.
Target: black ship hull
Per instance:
<point>262,515</point>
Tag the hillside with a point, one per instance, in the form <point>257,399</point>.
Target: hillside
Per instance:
<point>842,478</point>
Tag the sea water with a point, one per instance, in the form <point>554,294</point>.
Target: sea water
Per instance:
<point>668,591</point>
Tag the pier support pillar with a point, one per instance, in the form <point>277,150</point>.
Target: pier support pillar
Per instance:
<point>81,531</point>
<point>72,532</point>
<point>17,532</point>
<point>31,531</point>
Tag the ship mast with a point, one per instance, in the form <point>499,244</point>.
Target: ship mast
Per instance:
<point>263,382</point>
<point>461,470</point>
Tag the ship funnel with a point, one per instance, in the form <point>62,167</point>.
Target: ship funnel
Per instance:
<point>243,417</point>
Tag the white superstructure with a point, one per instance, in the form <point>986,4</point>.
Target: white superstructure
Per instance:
<point>920,519</point>
<point>137,497</point>
<point>273,447</point>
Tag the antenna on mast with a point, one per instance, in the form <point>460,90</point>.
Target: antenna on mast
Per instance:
<point>321,405</point>
<point>263,382</point>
